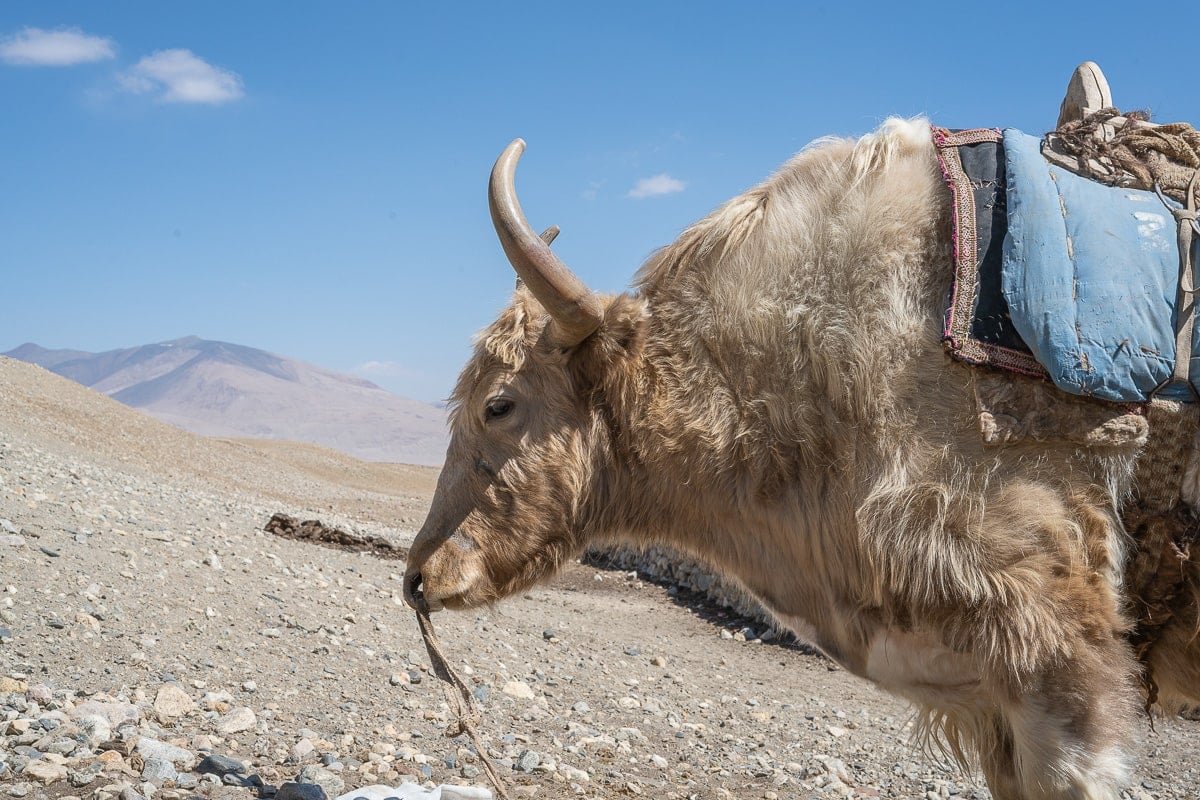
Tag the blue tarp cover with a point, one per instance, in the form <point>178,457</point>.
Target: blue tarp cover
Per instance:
<point>1090,274</point>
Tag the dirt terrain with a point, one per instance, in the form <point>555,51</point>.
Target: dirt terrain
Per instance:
<point>149,624</point>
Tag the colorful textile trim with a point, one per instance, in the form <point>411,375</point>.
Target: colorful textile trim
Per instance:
<point>978,327</point>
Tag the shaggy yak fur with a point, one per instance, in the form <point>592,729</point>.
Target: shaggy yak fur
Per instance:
<point>773,397</point>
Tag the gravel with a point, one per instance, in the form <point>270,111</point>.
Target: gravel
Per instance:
<point>174,650</point>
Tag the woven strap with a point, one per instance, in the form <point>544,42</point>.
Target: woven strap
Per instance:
<point>1164,458</point>
<point>1185,305</point>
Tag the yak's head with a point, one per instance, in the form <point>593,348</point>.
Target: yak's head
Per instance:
<point>531,426</point>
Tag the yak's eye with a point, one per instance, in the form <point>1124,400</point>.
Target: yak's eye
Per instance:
<point>499,407</point>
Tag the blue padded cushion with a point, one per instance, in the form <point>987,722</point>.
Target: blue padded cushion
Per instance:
<point>1090,273</point>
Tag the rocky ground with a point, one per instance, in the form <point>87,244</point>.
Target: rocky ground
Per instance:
<point>155,642</point>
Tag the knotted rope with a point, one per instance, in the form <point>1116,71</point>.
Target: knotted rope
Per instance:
<point>1127,150</point>
<point>458,696</point>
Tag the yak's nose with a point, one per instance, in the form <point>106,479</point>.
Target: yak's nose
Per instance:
<point>412,592</point>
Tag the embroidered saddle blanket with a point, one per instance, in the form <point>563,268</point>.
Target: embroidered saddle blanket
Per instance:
<point>1057,276</point>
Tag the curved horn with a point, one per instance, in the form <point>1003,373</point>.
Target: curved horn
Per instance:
<point>575,308</point>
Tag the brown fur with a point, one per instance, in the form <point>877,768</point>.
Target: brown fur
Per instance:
<point>773,398</point>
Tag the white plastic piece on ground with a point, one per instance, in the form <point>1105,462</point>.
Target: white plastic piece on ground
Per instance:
<point>414,791</point>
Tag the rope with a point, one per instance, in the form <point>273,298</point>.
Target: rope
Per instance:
<point>458,697</point>
<point>1125,150</point>
<point>1185,304</point>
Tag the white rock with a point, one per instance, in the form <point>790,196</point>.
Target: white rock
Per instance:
<point>237,720</point>
<point>114,712</point>
<point>574,774</point>
<point>44,771</point>
<point>519,690</point>
<point>302,750</point>
<point>154,749</point>
<point>412,791</point>
<point>172,702</point>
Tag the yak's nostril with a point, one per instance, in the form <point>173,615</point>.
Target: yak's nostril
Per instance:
<point>412,592</point>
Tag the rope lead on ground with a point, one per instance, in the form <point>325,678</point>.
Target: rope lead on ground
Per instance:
<point>458,697</point>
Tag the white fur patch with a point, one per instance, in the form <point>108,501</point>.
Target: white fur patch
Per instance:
<point>915,663</point>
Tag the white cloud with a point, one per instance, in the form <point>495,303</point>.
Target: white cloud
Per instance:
<point>58,48</point>
<point>182,77</point>
<point>658,185</point>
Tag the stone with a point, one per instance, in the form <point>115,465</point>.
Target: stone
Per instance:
<point>519,690</point>
<point>330,781</point>
<point>13,686</point>
<point>149,748</point>
<point>114,712</point>
<point>237,720</point>
<point>172,702</point>
<point>159,771</point>
<point>45,772</point>
<point>220,765</point>
<point>111,761</point>
<point>302,750</point>
<point>40,693</point>
<point>95,728</point>
<point>529,760</point>
<point>17,727</point>
<point>62,746</point>
<point>301,791</point>
<point>82,777</point>
<point>574,774</point>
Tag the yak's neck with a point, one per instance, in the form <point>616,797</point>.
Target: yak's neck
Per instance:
<point>787,336</point>
<point>688,459</point>
<point>667,483</point>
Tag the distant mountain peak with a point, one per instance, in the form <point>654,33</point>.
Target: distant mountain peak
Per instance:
<point>226,389</point>
<point>184,341</point>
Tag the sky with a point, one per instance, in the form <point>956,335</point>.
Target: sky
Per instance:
<point>310,178</point>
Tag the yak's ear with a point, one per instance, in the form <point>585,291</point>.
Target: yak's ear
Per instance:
<point>619,340</point>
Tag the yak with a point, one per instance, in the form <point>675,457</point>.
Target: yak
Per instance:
<point>772,396</point>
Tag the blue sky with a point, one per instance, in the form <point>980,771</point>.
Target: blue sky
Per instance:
<point>310,178</point>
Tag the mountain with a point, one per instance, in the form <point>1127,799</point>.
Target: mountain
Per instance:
<point>222,389</point>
